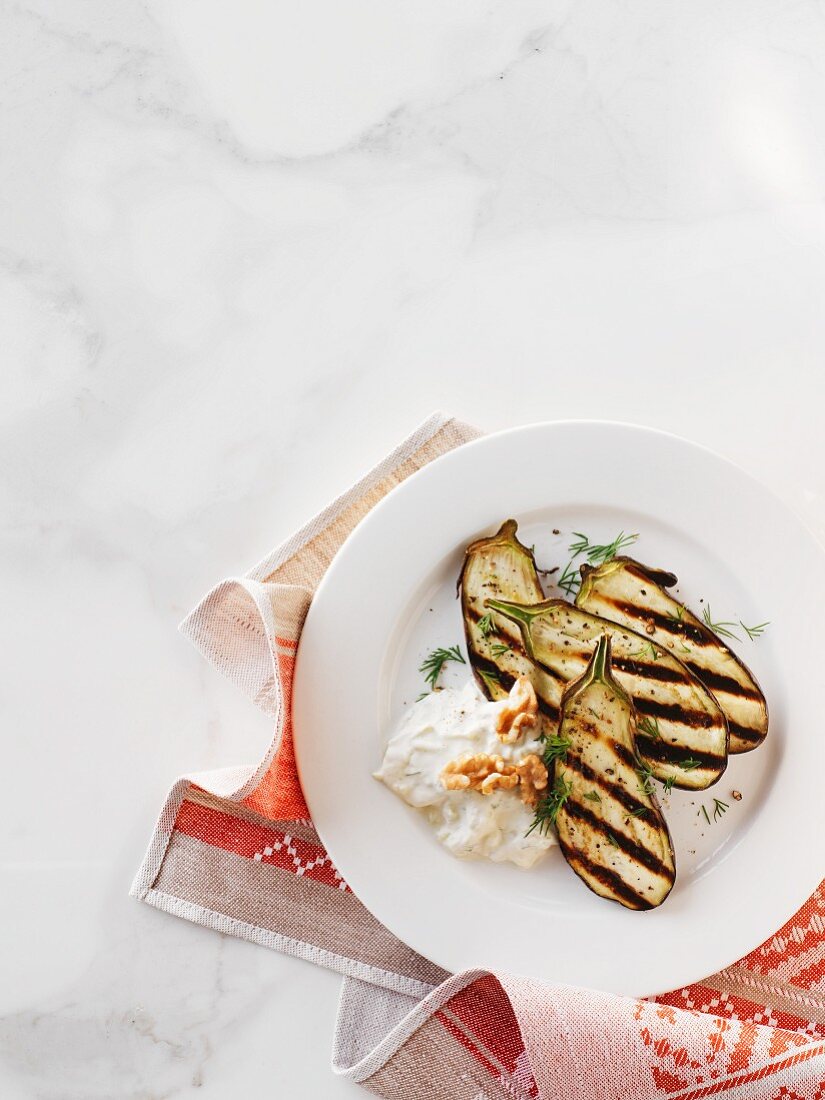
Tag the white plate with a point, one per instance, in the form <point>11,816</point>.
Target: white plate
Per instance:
<point>389,597</point>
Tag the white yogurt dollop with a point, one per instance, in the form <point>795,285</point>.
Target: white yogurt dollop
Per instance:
<point>441,727</point>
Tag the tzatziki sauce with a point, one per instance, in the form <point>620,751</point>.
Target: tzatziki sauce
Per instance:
<point>441,727</point>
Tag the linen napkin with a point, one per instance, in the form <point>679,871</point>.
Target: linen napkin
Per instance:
<point>235,850</point>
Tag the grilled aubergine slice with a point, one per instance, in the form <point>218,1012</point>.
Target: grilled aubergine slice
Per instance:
<point>635,596</point>
<point>609,825</point>
<point>682,734</point>
<point>500,566</point>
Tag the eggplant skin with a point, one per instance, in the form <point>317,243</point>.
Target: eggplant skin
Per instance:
<point>498,566</point>
<point>682,733</point>
<point>636,596</point>
<point>610,828</point>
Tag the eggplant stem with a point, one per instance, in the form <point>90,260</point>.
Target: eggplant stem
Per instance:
<point>600,661</point>
<point>514,611</point>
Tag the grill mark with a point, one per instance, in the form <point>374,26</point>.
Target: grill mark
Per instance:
<point>663,752</point>
<point>518,647</point>
<point>656,671</point>
<point>663,577</point>
<point>548,709</point>
<point>745,733</point>
<point>616,747</point>
<point>606,877</point>
<point>506,639</point>
<point>661,672</point>
<point>481,664</point>
<point>629,846</point>
<point>664,622</point>
<point>675,712</point>
<point>615,790</point>
<point>717,681</point>
<point>506,679</point>
<point>713,681</point>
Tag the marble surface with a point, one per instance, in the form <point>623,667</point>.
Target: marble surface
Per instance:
<point>247,247</point>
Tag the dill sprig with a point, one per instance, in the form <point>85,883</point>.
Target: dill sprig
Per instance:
<point>722,628</point>
<point>498,649</point>
<point>592,796</point>
<point>719,808</point>
<point>646,649</point>
<point>645,774</point>
<point>668,783</point>
<point>555,748</point>
<point>650,726</point>
<point>596,554</point>
<point>689,763</point>
<point>548,808</point>
<point>640,811</point>
<point>490,678</point>
<point>570,579</point>
<point>486,625</point>
<point>728,629</point>
<point>754,632</point>
<point>434,662</point>
<point>679,615</point>
<point>580,545</point>
<point>611,840</point>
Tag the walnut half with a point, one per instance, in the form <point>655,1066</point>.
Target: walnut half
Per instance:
<point>519,713</point>
<point>481,772</point>
<point>487,773</point>
<point>533,778</point>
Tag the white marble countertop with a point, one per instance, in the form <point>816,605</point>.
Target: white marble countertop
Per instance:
<point>245,249</point>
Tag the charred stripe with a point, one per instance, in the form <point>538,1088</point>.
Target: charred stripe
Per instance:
<point>661,672</point>
<point>717,681</point>
<point>511,641</point>
<point>663,752</point>
<point>674,712</point>
<point>629,846</point>
<point>663,577</point>
<point>615,790</point>
<point>506,679</point>
<point>616,747</point>
<point>481,664</point>
<point>605,876</point>
<point>656,671</point>
<point>664,622</point>
<point>745,733</point>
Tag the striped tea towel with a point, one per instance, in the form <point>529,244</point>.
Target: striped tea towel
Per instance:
<point>235,849</point>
